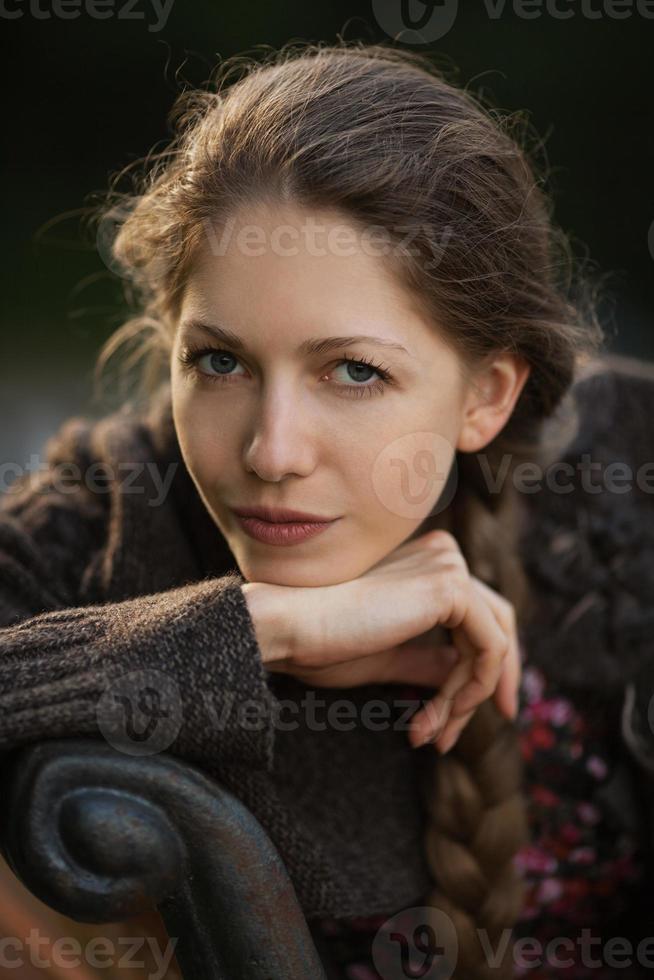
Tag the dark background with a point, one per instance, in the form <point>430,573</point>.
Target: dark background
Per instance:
<point>86,96</point>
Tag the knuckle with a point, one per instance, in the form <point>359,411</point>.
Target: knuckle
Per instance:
<point>507,608</point>
<point>504,608</point>
<point>443,539</point>
<point>503,648</point>
<point>454,572</point>
<point>446,590</point>
<point>510,624</point>
<point>448,557</point>
<point>457,559</point>
<point>451,563</point>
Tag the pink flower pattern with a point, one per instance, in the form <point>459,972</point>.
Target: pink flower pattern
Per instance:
<point>578,868</point>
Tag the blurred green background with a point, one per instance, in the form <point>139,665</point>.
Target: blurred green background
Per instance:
<point>85,96</point>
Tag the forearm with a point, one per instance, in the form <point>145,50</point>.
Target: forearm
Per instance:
<point>195,640</point>
<point>271,608</point>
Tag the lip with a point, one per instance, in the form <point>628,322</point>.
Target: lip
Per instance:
<point>281,515</point>
<point>282,533</point>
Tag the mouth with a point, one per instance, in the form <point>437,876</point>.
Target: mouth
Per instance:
<point>281,515</point>
<point>281,533</point>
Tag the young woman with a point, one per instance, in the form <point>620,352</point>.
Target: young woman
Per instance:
<point>357,324</point>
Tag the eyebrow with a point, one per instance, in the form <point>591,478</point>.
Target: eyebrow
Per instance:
<point>314,345</point>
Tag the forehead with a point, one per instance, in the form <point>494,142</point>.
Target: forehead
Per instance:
<point>295,251</point>
<point>299,269</point>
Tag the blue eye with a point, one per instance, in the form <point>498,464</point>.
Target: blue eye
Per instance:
<point>357,367</point>
<point>360,390</point>
<point>217,360</point>
<point>220,363</point>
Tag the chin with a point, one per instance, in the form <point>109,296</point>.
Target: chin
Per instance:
<point>293,571</point>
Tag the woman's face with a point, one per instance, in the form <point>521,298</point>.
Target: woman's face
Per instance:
<point>282,421</point>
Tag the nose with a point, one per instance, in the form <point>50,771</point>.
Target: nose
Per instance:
<point>279,442</point>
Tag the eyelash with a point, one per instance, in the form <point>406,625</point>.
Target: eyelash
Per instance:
<point>189,356</point>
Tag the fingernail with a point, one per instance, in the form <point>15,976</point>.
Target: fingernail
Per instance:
<point>439,715</point>
<point>427,737</point>
<point>430,735</point>
<point>447,743</point>
<point>511,712</point>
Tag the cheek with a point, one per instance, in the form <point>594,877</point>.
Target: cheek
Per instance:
<point>205,440</point>
<point>409,473</point>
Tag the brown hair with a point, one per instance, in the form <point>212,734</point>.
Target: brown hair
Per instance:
<point>380,134</point>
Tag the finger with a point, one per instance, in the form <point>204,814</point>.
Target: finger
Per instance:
<point>506,696</point>
<point>449,735</point>
<point>430,721</point>
<point>507,691</point>
<point>438,719</point>
<point>461,693</point>
<point>486,672</point>
<point>427,723</point>
<point>485,647</point>
<point>421,665</point>
<point>451,732</point>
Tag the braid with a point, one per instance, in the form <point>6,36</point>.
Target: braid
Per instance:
<point>476,823</point>
<point>476,809</point>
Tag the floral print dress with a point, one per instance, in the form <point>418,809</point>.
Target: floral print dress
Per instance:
<point>583,867</point>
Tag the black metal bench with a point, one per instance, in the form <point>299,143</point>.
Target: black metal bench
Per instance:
<point>102,836</point>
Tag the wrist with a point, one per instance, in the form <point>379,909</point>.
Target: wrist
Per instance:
<point>270,607</point>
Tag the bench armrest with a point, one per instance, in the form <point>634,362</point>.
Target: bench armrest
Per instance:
<point>100,836</point>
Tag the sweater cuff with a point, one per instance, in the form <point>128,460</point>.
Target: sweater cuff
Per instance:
<point>234,709</point>
<point>213,676</point>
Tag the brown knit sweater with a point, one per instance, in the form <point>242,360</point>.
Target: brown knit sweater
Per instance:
<point>107,570</point>
<point>103,573</point>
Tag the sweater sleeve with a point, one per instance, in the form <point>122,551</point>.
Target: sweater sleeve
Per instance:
<point>178,671</point>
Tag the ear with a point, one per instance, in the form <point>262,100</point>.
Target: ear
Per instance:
<point>492,393</point>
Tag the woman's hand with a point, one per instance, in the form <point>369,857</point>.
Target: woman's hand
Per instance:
<point>384,627</point>
<point>505,693</point>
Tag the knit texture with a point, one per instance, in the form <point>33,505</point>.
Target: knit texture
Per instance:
<point>111,566</point>
<point>589,547</point>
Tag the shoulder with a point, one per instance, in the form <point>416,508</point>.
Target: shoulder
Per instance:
<point>615,398</point>
<point>588,546</point>
<point>85,455</point>
<point>92,476</point>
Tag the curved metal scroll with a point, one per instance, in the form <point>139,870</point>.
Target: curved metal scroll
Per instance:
<point>100,836</point>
